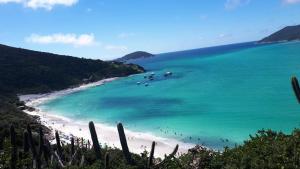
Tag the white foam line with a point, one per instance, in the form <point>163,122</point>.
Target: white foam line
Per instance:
<point>137,141</point>
<point>37,99</point>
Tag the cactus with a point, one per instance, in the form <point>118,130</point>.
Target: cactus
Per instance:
<point>59,159</point>
<point>150,160</point>
<point>174,152</point>
<point>1,141</point>
<point>167,157</point>
<point>25,142</point>
<point>106,163</point>
<point>88,144</point>
<point>82,161</point>
<point>296,88</point>
<point>59,149</point>
<point>124,144</point>
<point>42,146</point>
<point>14,147</point>
<point>73,158</point>
<point>41,141</point>
<point>36,160</point>
<point>72,146</point>
<point>77,142</point>
<point>48,152</point>
<point>94,137</point>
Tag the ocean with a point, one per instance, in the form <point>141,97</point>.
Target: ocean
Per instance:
<point>215,96</point>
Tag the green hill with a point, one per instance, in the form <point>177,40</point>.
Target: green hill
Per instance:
<point>135,55</point>
<point>25,71</point>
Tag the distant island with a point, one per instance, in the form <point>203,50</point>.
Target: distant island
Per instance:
<point>134,55</point>
<point>289,33</point>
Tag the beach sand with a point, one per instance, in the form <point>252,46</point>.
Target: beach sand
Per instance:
<point>137,141</point>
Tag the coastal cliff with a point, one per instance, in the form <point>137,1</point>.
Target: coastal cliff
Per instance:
<point>289,33</point>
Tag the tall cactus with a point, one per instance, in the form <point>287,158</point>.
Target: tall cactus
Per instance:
<point>42,147</point>
<point>106,163</point>
<point>82,143</point>
<point>72,146</point>
<point>41,141</point>
<point>167,157</point>
<point>48,151</point>
<point>58,144</point>
<point>1,141</point>
<point>77,142</point>
<point>124,144</point>
<point>25,142</point>
<point>150,160</point>
<point>88,145</point>
<point>296,87</point>
<point>14,147</point>
<point>82,161</point>
<point>36,160</point>
<point>174,151</point>
<point>95,140</point>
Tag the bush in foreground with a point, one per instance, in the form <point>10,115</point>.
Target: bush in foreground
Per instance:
<point>267,149</point>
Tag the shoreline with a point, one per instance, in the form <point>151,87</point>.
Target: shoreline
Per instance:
<point>36,99</point>
<point>107,134</point>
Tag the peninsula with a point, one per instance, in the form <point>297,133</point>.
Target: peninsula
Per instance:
<point>289,33</point>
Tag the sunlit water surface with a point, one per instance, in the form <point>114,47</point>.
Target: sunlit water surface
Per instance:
<point>216,96</point>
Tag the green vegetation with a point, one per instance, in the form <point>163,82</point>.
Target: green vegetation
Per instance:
<point>10,114</point>
<point>24,71</point>
<point>135,55</point>
<point>267,149</point>
<point>27,72</point>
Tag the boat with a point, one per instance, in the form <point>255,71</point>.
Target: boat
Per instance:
<point>168,74</point>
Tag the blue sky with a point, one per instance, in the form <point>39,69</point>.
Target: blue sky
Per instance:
<point>106,29</point>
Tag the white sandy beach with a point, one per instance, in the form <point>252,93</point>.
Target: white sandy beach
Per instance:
<point>108,135</point>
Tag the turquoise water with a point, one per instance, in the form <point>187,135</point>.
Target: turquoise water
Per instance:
<point>214,94</point>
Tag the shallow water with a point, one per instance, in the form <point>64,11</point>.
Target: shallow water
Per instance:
<point>216,96</point>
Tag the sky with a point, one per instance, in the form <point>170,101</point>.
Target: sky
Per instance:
<point>108,29</point>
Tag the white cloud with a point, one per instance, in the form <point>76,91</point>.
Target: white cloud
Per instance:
<point>116,47</point>
<point>46,4</point>
<point>232,4</point>
<point>125,35</point>
<point>10,1</point>
<point>71,39</point>
<point>291,1</point>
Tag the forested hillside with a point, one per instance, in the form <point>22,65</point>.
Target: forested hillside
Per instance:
<point>135,55</point>
<point>27,71</point>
